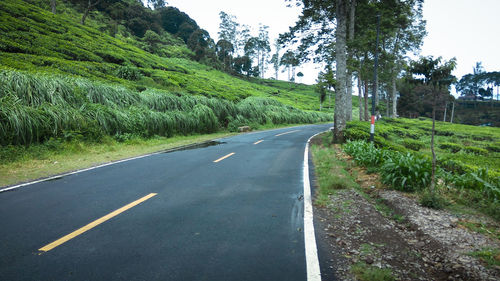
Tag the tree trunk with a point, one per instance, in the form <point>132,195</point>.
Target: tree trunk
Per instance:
<point>445,107</point>
<point>367,115</point>
<point>388,101</point>
<point>394,97</point>
<point>341,60</point>
<point>85,14</point>
<point>352,14</point>
<point>360,100</point>
<point>53,6</point>
<point>452,112</point>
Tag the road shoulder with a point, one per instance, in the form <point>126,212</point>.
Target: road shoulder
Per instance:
<point>372,233</point>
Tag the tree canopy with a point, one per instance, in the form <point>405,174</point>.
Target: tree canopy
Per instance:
<point>341,34</point>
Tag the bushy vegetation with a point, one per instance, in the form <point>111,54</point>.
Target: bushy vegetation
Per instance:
<point>36,108</point>
<point>466,161</point>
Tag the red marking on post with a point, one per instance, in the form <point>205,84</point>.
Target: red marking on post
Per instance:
<point>373,119</point>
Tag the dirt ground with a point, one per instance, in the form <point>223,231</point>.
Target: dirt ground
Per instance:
<point>375,227</point>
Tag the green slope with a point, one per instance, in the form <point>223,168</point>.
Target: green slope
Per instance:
<point>35,40</point>
<point>61,80</point>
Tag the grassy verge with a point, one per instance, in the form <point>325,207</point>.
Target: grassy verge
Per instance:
<point>40,162</point>
<point>43,160</point>
<point>489,256</point>
<point>330,171</point>
<point>365,272</point>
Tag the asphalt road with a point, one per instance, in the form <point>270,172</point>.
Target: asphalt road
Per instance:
<point>240,218</point>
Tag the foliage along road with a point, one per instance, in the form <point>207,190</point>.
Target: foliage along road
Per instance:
<point>232,211</point>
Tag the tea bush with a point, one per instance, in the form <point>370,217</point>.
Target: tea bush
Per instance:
<point>413,144</point>
<point>453,147</point>
<point>475,150</point>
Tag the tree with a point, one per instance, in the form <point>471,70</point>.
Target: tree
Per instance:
<point>478,84</point>
<point>203,46</point>
<point>350,34</point>
<point>88,6</point>
<point>156,4</point>
<point>290,61</point>
<point>300,75</point>
<point>264,48</point>
<point>275,59</point>
<point>224,50</point>
<point>320,88</point>
<point>243,65</point>
<point>435,78</point>
<point>228,29</point>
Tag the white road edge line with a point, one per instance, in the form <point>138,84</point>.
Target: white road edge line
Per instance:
<point>312,261</point>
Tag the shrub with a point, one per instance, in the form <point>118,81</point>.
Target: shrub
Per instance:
<point>413,144</point>
<point>476,150</point>
<point>129,73</point>
<point>432,200</point>
<point>444,132</point>
<point>493,147</point>
<point>453,147</point>
<point>354,134</point>
<point>452,165</point>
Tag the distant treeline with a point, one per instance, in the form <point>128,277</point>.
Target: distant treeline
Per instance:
<point>132,18</point>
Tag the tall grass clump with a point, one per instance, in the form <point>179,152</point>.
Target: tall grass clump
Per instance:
<point>36,107</point>
<point>34,90</point>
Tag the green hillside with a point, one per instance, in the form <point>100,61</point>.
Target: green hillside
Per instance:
<point>35,40</point>
<point>61,79</point>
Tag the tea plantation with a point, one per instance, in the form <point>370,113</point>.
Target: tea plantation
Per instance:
<point>468,158</point>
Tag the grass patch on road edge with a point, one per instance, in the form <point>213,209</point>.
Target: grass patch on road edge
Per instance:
<point>331,173</point>
<point>77,155</point>
<point>365,272</point>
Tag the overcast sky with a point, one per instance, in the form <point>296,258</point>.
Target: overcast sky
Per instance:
<point>465,29</point>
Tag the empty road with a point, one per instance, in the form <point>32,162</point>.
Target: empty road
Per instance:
<point>230,211</point>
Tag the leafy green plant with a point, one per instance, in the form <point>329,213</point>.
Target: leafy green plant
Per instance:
<point>406,172</point>
<point>365,153</point>
<point>480,181</point>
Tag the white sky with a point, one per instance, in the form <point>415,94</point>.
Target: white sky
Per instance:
<point>465,29</point>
